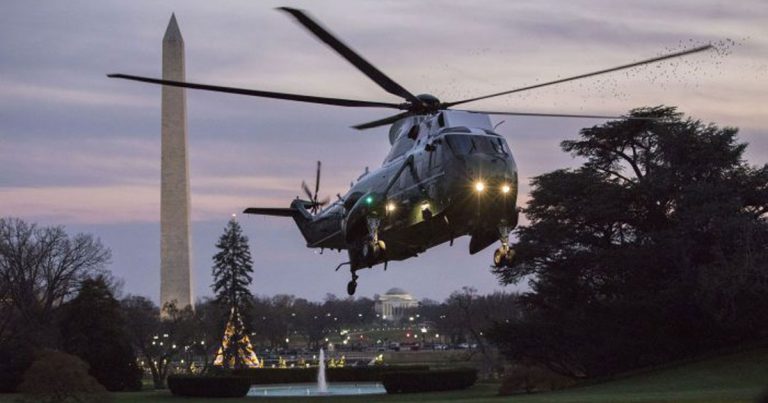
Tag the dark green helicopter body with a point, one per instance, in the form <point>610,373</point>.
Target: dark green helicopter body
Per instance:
<point>447,175</point>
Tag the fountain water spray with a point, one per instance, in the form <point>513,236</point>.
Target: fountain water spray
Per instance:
<point>322,385</point>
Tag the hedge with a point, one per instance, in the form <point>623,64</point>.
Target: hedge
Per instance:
<point>429,381</point>
<point>262,376</point>
<point>208,386</point>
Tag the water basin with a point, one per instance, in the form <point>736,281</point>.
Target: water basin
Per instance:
<point>311,389</point>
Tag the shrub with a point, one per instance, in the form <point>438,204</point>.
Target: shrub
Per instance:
<point>208,386</point>
<point>369,374</point>
<point>429,381</point>
<point>56,377</point>
<point>262,376</point>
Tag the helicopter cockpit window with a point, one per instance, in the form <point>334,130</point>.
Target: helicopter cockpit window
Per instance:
<point>499,145</point>
<point>464,145</point>
<point>461,145</point>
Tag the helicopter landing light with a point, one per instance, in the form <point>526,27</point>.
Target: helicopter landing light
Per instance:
<point>479,186</point>
<point>505,189</point>
<point>390,207</point>
<point>424,206</point>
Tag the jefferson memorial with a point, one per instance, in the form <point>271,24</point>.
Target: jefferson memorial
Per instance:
<point>394,304</point>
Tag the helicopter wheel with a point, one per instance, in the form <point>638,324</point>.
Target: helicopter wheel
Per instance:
<point>503,258</point>
<point>381,247</point>
<point>352,285</point>
<point>498,257</point>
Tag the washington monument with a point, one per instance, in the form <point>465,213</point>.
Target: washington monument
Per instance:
<point>175,273</point>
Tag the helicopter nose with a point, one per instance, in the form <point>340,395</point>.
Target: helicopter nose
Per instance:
<point>491,174</point>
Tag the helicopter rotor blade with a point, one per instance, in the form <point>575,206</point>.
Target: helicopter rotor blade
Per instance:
<point>580,76</point>
<point>259,93</point>
<point>317,181</point>
<point>306,190</point>
<point>381,122</point>
<point>324,201</point>
<point>353,57</point>
<point>560,115</point>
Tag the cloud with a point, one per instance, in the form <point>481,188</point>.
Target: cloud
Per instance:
<point>13,91</point>
<point>78,148</point>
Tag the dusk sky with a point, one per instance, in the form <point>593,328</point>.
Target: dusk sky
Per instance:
<point>81,150</point>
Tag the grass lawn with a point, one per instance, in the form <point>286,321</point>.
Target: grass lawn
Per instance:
<point>737,377</point>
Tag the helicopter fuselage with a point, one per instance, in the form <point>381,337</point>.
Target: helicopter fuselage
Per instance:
<point>447,175</point>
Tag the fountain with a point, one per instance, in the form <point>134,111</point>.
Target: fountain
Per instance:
<point>322,385</point>
<point>320,388</point>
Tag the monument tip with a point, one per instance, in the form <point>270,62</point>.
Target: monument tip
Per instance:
<point>173,33</point>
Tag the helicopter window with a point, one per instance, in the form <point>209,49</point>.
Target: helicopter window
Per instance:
<point>402,145</point>
<point>499,146</point>
<point>413,133</point>
<point>458,129</point>
<point>463,145</point>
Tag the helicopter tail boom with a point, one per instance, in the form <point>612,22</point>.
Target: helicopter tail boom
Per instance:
<point>315,232</point>
<point>279,212</point>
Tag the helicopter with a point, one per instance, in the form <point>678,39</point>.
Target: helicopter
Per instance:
<point>448,173</point>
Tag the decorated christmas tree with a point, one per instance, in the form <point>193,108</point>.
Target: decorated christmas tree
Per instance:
<point>236,350</point>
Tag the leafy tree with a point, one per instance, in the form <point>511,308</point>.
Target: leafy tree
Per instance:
<point>232,271</point>
<point>92,327</point>
<point>656,248</point>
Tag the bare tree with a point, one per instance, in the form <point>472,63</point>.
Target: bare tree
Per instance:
<point>162,343</point>
<point>473,314</point>
<point>40,268</point>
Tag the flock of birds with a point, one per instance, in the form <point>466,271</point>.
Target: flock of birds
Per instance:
<point>685,72</point>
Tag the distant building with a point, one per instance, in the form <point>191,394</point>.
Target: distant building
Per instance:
<point>394,304</point>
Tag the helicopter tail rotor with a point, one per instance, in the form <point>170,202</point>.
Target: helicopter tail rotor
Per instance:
<point>314,204</point>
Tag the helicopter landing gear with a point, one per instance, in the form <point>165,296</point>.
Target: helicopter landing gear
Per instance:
<point>504,256</point>
<point>352,285</point>
<point>374,248</point>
